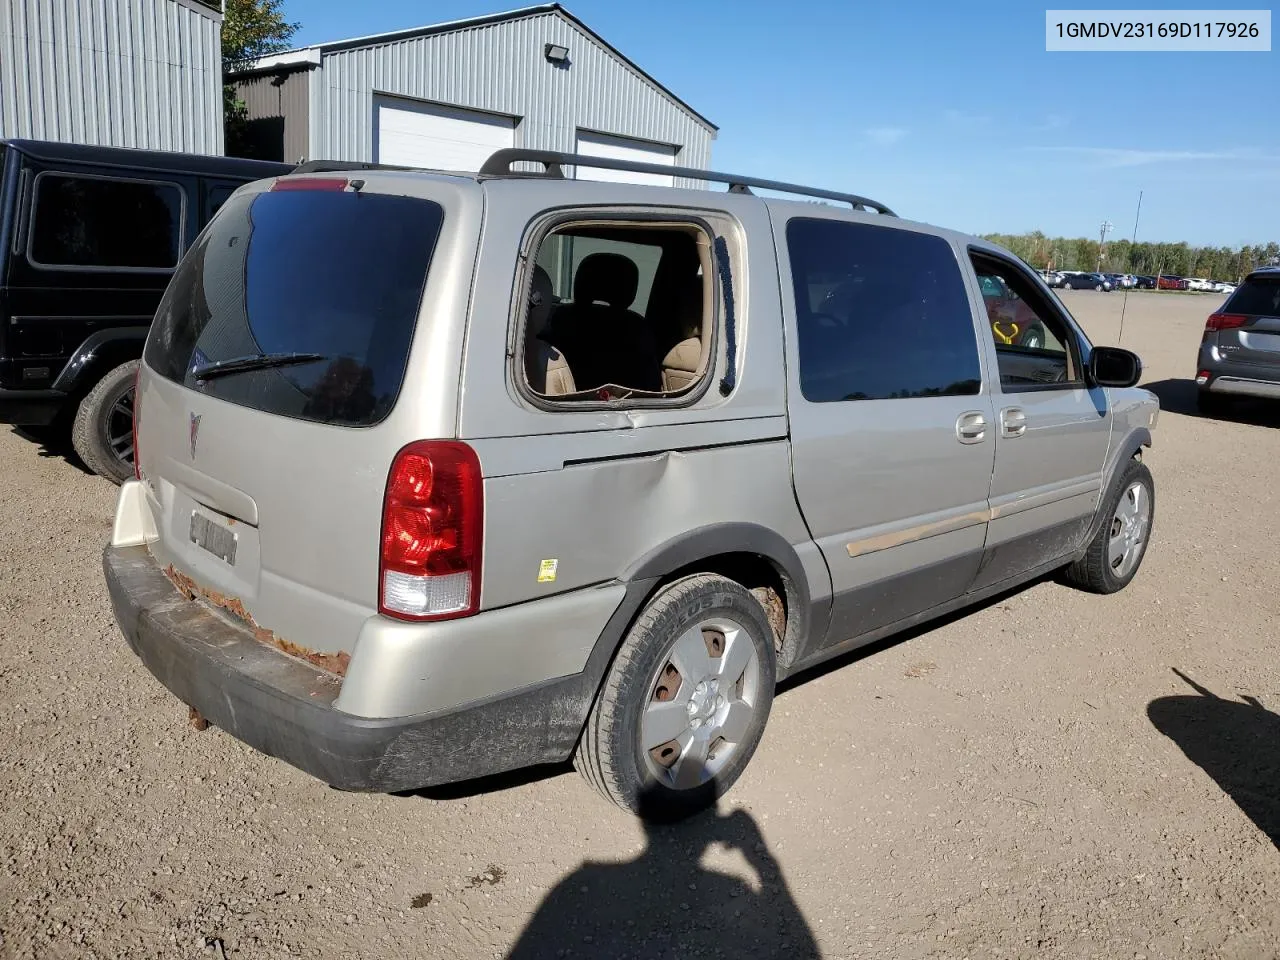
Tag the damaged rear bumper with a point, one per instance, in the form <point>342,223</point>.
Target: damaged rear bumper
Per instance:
<point>284,707</point>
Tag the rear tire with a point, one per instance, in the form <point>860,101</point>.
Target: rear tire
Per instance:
<point>1118,548</point>
<point>695,675</point>
<point>102,434</point>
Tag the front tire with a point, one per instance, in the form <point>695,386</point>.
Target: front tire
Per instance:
<point>685,702</point>
<point>102,434</point>
<point>1117,549</point>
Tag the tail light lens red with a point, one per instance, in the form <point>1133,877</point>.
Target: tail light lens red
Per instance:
<point>432,531</point>
<point>137,412</point>
<point>309,183</point>
<point>1225,321</point>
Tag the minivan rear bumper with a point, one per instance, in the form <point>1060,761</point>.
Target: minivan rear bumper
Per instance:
<point>283,706</point>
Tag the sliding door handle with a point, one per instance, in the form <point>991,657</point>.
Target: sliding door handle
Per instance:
<point>971,427</point>
<point>1013,423</point>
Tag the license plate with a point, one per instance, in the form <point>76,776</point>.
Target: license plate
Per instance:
<point>213,537</point>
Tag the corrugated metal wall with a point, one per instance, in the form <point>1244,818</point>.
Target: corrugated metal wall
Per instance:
<point>128,73</point>
<point>277,106</point>
<point>500,68</point>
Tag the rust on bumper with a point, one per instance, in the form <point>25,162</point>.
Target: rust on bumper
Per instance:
<point>335,663</point>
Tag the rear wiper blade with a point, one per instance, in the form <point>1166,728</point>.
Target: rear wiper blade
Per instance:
<point>256,361</point>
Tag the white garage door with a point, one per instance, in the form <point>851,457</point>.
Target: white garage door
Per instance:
<point>413,134</point>
<point>620,148</point>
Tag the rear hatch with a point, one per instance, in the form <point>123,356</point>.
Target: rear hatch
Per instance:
<point>268,403</point>
<point>1248,325</point>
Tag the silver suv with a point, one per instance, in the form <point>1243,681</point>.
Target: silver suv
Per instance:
<point>1240,349</point>
<point>441,475</point>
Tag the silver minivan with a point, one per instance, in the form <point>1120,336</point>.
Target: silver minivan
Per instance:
<point>441,475</point>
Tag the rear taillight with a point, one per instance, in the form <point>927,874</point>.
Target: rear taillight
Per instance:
<point>137,412</point>
<point>432,530</point>
<point>1225,321</point>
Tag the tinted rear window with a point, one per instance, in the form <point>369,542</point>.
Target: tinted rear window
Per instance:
<point>1257,297</point>
<point>317,272</point>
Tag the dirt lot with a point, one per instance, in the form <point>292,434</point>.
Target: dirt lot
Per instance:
<point>1031,779</point>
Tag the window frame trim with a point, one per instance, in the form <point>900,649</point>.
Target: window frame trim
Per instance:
<point>1075,341</point>
<point>536,232</point>
<point>789,294</point>
<point>30,221</point>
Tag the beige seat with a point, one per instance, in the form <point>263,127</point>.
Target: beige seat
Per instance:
<point>546,368</point>
<point>683,363</point>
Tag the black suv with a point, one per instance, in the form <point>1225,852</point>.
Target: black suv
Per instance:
<point>89,237</point>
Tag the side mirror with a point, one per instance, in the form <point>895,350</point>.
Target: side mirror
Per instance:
<point>1114,367</point>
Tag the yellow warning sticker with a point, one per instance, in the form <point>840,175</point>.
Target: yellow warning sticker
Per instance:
<point>547,570</point>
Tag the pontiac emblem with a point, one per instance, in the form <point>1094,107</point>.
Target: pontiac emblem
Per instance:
<point>195,432</point>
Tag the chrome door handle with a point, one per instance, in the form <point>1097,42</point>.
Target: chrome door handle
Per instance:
<point>971,427</point>
<point>1013,423</point>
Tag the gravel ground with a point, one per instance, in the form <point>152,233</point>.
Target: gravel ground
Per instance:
<point>1032,779</point>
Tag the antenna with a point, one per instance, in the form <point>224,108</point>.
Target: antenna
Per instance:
<point>1125,302</point>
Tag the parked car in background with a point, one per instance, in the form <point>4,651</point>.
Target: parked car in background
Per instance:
<point>1240,350</point>
<point>1199,284</point>
<point>89,237</point>
<point>363,388</point>
<point>1223,286</point>
<point>1145,282</point>
<point>1119,280</point>
<point>1054,278</point>
<point>1169,282</point>
<point>1087,281</point>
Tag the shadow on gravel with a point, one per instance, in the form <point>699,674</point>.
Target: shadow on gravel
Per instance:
<point>1176,396</point>
<point>664,903</point>
<point>494,783</point>
<point>1236,743</point>
<point>1179,396</point>
<point>54,441</point>
<point>858,653</point>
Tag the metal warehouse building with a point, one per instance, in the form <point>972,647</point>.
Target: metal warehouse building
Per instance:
<point>125,73</point>
<point>449,95</point>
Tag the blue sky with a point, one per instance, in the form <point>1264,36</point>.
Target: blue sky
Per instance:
<point>949,113</point>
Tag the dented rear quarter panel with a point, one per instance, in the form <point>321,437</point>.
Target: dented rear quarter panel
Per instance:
<point>597,489</point>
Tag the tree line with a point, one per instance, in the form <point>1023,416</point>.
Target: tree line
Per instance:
<point>1147,259</point>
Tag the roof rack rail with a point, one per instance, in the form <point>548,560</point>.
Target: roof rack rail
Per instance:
<point>553,163</point>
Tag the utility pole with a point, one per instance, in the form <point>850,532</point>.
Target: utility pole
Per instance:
<point>1102,241</point>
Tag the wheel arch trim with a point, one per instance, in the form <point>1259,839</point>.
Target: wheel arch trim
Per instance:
<point>115,346</point>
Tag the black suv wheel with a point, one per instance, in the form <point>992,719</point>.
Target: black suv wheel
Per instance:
<point>103,431</point>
